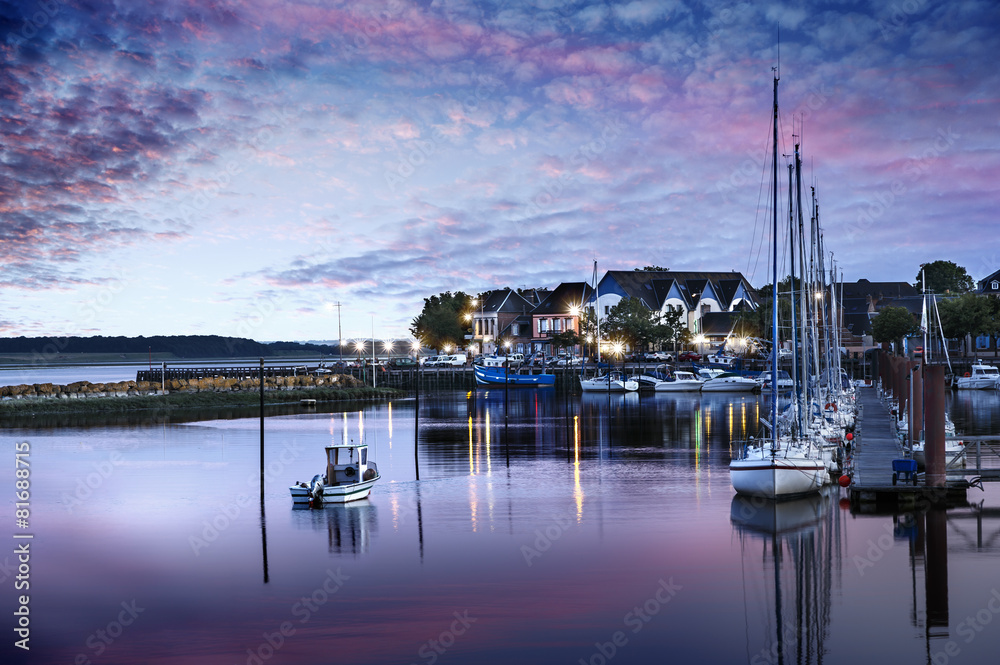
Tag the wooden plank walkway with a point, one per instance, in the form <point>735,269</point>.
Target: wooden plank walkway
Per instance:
<point>876,445</point>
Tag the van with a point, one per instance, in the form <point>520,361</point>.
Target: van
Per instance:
<point>515,358</point>
<point>457,360</point>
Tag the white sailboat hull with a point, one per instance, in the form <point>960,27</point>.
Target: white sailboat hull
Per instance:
<point>777,477</point>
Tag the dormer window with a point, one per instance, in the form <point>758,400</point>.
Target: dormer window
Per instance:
<point>995,285</point>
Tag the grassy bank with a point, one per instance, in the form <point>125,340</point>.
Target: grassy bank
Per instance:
<point>187,401</point>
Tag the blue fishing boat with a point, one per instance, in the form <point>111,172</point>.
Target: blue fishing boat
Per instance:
<point>498,376</point>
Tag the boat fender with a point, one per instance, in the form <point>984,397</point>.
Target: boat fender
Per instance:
<point>349,472</point>
<point>369,474</point>
<point>966,375</point>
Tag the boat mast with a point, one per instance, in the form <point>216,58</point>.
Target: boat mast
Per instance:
<point>597,312</point>
<point>774,274</point>
<point>791,298</point>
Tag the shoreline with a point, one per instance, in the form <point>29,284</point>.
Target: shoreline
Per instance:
<point>185,400</point>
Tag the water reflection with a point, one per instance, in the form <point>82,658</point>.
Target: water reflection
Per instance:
<point>350,527</point>
<point>799,547</point>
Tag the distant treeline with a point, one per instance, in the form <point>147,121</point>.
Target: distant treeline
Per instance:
<point>181,346</point>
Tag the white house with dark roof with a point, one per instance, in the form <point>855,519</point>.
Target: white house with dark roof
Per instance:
<point>989,285</point>
<point>695,294</point>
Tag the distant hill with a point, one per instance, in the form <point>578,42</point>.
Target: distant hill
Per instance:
<point>181,346</point>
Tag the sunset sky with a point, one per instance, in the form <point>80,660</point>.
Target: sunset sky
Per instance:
<point>237,168</point>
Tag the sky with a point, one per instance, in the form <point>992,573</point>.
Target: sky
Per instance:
<point>274,170</point>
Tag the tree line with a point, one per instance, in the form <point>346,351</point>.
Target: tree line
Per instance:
<point>181,346</point>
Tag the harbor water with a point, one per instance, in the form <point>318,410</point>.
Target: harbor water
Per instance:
<point>543,528</point>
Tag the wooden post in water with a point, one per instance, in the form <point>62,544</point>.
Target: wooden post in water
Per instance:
<point>934,461</point>
<point>262,431</point>
<point>916,423</point>
<point>936,569</point>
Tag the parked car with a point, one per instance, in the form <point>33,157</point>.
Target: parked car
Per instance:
<point>568,361</point>
<point>688,356</point>
<point>402,362</point>
<point>660,356</point>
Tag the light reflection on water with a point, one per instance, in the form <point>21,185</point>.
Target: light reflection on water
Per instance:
<point>550,552</point>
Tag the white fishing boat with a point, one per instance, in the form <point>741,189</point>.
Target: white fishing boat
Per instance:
<point>682,382</point>
<point>730,382</point>
<point>613,382</point>
<point>349,476</point>
<point>981,377</point>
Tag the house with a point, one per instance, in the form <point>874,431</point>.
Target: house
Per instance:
<point>559,312</point>
<point>499,311</point>
<point>861,301</point>
<point>695,294</point>
<point>989,286</point>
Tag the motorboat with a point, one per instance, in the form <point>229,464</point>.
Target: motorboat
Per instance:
<point>681,382</point>
<point>981,377</point>
<point>349,476</point>
<point>500,376</point>
<point>730,382</point>
<point>614,382</point>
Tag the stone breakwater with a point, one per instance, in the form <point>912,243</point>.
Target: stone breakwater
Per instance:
<point>86,389</point>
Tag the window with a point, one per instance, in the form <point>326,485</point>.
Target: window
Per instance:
<point>705,309</point>
<point>607,310</point>
<point>543,325</point>
<point>515,329</point>
<point>995,285</point>
<point>556,325</point>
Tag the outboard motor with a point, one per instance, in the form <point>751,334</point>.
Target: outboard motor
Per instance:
<point>316,490</point>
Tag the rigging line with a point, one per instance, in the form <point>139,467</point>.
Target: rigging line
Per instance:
<point>765,169</point>
<point>756,220</point>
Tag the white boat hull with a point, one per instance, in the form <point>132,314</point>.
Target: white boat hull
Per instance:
<point>975,383</point>
<point>729,385</point>
<point>336,493</point>
<point>678,386</point>
<point>777,477</point>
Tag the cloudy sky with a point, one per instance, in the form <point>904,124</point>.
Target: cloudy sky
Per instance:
<point>238,168</point>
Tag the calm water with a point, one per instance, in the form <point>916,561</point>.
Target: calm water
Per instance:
<point>580,529</point>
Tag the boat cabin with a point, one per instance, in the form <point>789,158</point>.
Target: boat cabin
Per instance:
<point>346,464</point>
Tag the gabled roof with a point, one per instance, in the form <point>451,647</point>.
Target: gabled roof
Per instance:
<point>565,296</point>
<point>653,287</point>
<point>985,284</point>
<point>506,300</point>
<point>863,288</point>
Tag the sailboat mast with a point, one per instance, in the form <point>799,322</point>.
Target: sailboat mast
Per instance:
<point>791,298</point>
<point>597,311</point>
<point>774,275</point>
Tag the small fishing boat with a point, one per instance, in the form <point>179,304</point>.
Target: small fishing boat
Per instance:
<point>682,382</point>
<point>982,377</point>
<point>500,376</point>
<point>614,382</point>
<point>349,476</point>
<point>953,450</point>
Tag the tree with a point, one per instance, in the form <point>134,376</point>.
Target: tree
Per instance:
<point>632,322</point>
<point>565,339</point>
<point>969,314</point>
<point>440,322</point>
<point>672,328</point>
<point>893,324</point>
<point>945,277</point>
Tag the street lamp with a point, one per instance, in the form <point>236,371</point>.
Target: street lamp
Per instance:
<point>387,347</point>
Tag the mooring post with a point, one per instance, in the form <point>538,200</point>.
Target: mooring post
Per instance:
<point>262,431</point>
<point>917,408</point>
<point>934,461</point>
<point>936,567</point>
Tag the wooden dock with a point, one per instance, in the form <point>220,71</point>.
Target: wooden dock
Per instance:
<point>875,446</point>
